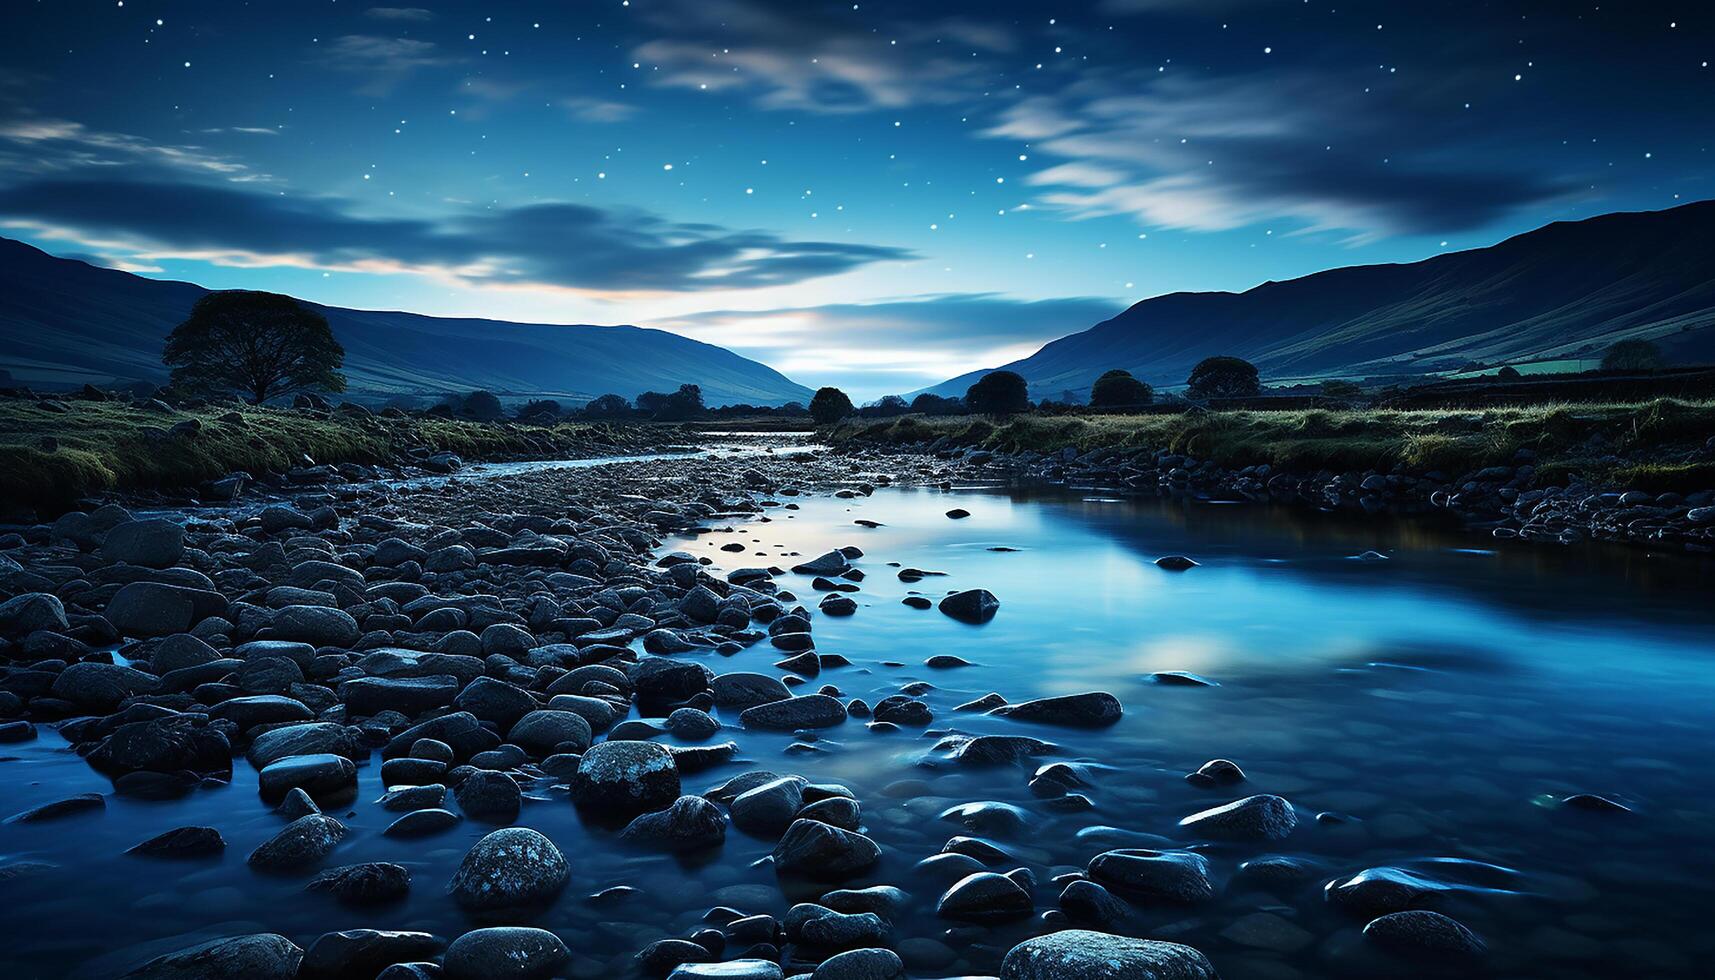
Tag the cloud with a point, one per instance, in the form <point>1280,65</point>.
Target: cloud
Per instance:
<point>794,56</point>
<point>385,61</point>
<point>552,245</point>
<point>597,110</point>
<point>59,144</point>
<point>897,345</point>
<point>412,14</point>
<point>1213,153</point>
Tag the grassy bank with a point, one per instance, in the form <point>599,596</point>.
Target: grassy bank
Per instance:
<point>1653,445</point>
<point>114,446</point>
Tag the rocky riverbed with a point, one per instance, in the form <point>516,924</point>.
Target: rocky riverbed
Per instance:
<point>585,723</point>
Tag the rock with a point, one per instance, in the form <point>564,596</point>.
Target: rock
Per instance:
<point>303,842</point>
<point>264,956</point>
<point>261,709</point>
<point>1096,709</point>
<point>71,805</point>
<point>363,884</point>
<point>25,614</point>
<point>149,609</point>
<point>152,543</point>
<point>505,953</point>
<point>832,563</point>
<point>172,744</point>
<point>1592,803</point>
<point>791,714</point>
<point>182,842</point>
<point>310,738</point>
<point>747,690</point>
<point>1377,891</point>
<point>422,823</point>
<point>691,823</point>
<point>1088,903</point>
<point>971,606</point>
<point>619,780</point>
<point>1175,876</point>
<point>544,731</point>
<point>767,810</point>
<point>1077,954</point>
<point>745,969</point>
<point>320,775</point>
<point>1216,772</point>
<point>407,798</point>
<point>825,929</point>
<point>861,964</point>
<point>410,696</point>
<point>359,954</point>
<point>1265,930</point>
<point>1254,818</point>
<point>1420,933</point>
<point>489,796</point>
<point>821,851</point>
<point>321,626</point>
<point>984,896</point>
<point>692,724</point>
<point>102,686</point>
<point>1175,563</point>
<point>663,955</point>
<point>509,868</point>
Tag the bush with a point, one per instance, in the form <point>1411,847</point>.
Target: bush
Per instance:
<point>686,403</point>
<point>483,406</point>
<point>829,406</point>
<point>540,410</point>
<point>1633,355</point>
<point>608,407</point>
<point>998,393</point>
<point>1223,377</point>
<point>1118,389</point>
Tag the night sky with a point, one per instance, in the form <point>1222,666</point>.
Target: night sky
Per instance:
<point>877,195</point>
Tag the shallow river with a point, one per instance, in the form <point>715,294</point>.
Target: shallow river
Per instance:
<point>1441,699</point>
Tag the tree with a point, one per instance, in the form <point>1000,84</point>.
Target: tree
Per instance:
<point>1508,373</point>
<point>888,407</point>
<point>608,407</point>
<point>1223,377</point>
<point>483,406</point>
<point>540,410</point>
<point>829,406</point>
<point>1118,389</point>
<point>1633,355</point>
<point>685,403</point>
<point>998,393</point>
<point>262,345</point>
<point>933,404</point>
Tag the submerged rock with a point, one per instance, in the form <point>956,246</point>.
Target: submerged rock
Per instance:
<point>505,953</point>
<point>1077,954</point>
<point>1095,709</point>
<point>263,956</point>
<point>1420,932</point>
<point>1260,817</point>
<point>971,606</point>
<point>623,779</point>
<point>510,868</point>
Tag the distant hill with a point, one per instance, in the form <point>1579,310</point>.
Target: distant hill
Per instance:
<point>1565,291</point>
<point>65,322</point>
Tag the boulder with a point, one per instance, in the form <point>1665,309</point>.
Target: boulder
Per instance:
<point>509,868</point>
<point>263,956</point>
<point>152,543</point>
<point>1078,954</point>
<point>618,780</point>
<point>505,953</point>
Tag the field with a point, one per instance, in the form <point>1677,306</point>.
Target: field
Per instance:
<point>1657,445</point>
<point>99,446</point>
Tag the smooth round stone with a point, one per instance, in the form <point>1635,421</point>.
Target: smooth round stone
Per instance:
<point>748,969</point>
<point>623,779</point>
<point>512,867</point>
<point>1078,954</point>
<point>861,964</point>
<point>422,823</point>
<point>303,842</point>
<point>505,953</point>
<point>363,884</point>
<point>321,775</point>
<point>1256,818</point>
<point>1422,933</point>
<point>263,956</point>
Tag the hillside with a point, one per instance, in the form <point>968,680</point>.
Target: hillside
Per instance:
<point>65,322</point>
<point>1565,291</point>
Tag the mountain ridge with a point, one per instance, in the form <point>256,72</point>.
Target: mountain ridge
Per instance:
<point>1565,290</point>
<point>66,321</point>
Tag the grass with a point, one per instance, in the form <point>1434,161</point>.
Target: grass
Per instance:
<point>1641,442</point>
<point>106,446</point>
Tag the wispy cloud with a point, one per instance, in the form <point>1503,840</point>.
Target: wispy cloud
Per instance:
<point>794,56</point>
<point>409,14</point>
<point>386,62</point>
<point>591,250</point>
<point>1212,153</point>
<point>60,144</point>
<point>597,110</point>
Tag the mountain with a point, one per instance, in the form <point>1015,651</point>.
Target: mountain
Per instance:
<point>1565,291</point>
<point>65,322</point>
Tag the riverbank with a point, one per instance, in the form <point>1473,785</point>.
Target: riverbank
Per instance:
<point>54,452</point>
<point>1641,474</point>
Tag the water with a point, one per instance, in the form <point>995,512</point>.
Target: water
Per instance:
<point>1443,698</point>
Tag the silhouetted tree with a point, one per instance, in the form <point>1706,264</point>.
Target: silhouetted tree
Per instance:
<point>262,345</point>
<point>683,404</point>
<point>1508,373</point>
<point>933,404</point>
<point>540,410</point>
<point>1223,377</point>
<point>1633,355</point>
<point>829,406</point>
<point>998,393</point>
<point>608,407</point>
<point>1118,389</point>
<point>483,406</point>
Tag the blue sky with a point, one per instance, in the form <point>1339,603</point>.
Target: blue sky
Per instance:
<point>873,195</point>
